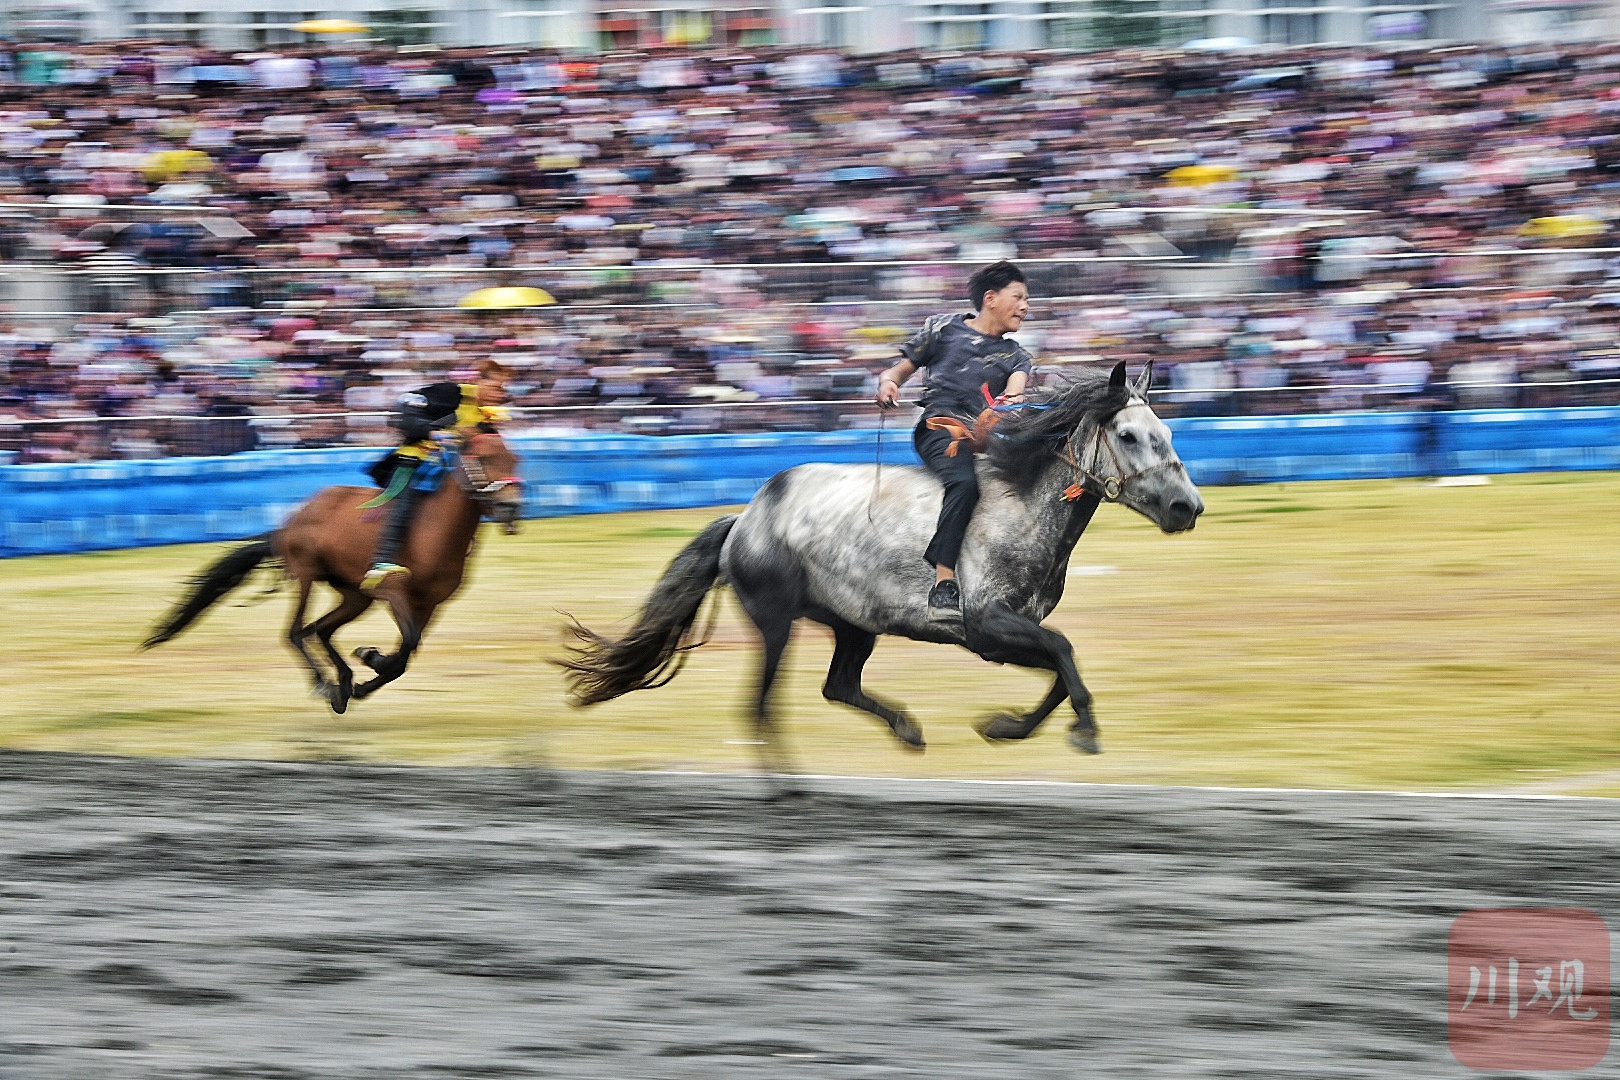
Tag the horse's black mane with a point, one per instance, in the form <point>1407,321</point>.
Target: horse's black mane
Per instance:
<point>1023,443</point>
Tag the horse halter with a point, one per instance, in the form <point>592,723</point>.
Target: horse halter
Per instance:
<point>1110,488</point>
<point>471,477</point>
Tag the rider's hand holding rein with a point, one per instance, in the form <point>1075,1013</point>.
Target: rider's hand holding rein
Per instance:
<point>888,392</point>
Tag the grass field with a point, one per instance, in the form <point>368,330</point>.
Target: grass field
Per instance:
<point>1380,634</point>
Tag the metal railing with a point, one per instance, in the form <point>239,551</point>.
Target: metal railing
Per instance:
<point>164,290</point>
<point>683,283</point>
<point>90,438</point>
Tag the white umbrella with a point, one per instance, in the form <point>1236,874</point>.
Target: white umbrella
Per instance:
<point>1218,44</point>
<point>578,222</point>
<point>182,192</point>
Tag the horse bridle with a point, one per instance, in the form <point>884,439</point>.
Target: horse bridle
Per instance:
<point>1110,488</point>
<point>471,477</point>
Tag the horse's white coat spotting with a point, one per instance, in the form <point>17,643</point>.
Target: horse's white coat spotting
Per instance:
<point>857,532</point>
<point>843,545</point>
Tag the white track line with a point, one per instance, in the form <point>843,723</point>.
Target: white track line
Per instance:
<point>1068,785</point>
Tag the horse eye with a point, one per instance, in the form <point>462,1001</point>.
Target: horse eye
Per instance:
<point>1127,436</point>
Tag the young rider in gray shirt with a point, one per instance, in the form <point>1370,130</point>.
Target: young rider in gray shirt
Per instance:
<point>970,366</point>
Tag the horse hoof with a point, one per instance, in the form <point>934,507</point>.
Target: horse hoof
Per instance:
<point>367,654</point>
<point>910,735</point>
<point>1084,741</point>
<point>1002,727</point>
<point>334,697</point>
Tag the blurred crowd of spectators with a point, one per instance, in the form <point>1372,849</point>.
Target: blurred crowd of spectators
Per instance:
<point>683,167</point>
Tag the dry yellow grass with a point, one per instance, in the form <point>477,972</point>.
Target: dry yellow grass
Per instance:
<point>1381,634</point>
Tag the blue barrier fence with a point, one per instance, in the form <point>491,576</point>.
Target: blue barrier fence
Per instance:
<point>47,509</point>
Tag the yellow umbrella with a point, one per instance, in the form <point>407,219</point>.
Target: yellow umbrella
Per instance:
<point>882,335</point>
<point>167,164</point>
<point>510,296</point>
<point>1201,175</point>
<point>1563,226</point>
<point>330,26</point>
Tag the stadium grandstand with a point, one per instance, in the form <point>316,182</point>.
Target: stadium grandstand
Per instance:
<point>737,238</point>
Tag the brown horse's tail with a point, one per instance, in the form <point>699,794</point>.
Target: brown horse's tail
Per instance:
<point>212,584</point>
<point>655,648</point>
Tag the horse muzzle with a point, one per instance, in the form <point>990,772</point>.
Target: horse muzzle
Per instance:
<point>1181,514</point>
<point>504,503</point>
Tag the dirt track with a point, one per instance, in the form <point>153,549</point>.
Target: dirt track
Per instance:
<point>207,919</point>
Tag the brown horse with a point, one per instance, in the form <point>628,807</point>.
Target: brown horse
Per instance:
<point>331,537</point>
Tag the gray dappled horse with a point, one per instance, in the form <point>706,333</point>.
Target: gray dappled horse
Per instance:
<point>837,545</point>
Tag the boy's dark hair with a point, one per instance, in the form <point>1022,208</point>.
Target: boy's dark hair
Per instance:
<point>992,278</point>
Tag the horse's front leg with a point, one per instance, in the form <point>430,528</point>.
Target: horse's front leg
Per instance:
<point>1003,636</point>
<point>1007,727</point>
<point>391,666</point>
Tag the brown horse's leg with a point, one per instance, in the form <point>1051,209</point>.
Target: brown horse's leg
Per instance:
<point>350,608</point>
<point>297,631</point>
<point>411,620</point>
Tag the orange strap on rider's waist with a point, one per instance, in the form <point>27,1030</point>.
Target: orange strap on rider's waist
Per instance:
<point>977,438</point>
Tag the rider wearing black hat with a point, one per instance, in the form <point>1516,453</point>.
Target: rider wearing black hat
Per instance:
<point>419,414</point>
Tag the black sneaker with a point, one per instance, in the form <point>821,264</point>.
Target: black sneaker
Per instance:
<point>944,602</point>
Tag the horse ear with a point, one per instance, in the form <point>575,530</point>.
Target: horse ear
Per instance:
<point>1117,379</point>
<point>1144,381</point>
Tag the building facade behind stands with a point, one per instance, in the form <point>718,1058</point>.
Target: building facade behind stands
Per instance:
<point>855,25</point>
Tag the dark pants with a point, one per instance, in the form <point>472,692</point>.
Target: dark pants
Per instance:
<point>961,493</point>
<point>392,537</point>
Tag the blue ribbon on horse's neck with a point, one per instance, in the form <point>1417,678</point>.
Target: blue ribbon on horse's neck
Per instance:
<point>431,473</point>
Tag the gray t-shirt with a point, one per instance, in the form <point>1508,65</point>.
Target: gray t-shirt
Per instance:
<point>961,364</point>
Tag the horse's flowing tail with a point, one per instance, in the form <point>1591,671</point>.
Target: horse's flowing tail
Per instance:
<point>655,648</point>
<point>211,585</point>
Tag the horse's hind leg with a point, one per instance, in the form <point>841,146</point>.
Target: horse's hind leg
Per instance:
<point>771,591</point>
<point>1003,636</point>
<point>1005,727</point>
<point>297,632</point>
<point>774,620</point>
<point>852,649</point>
<point>350,608</point>
<point>774,635</point>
